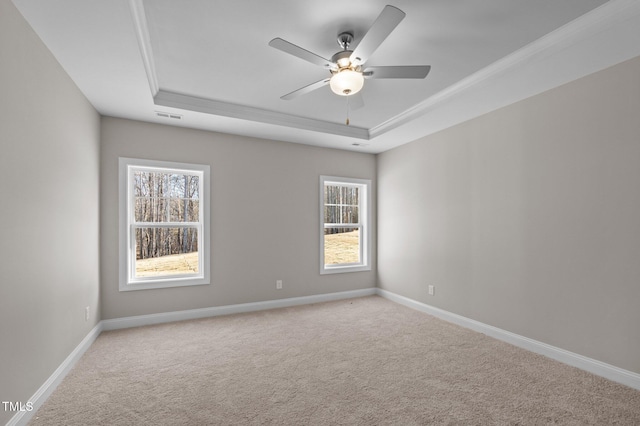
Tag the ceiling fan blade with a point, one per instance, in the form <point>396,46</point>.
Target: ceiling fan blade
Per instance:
<point>408,71</point>
<point>306,89</point>
<point>301,53</point>
<point>386,22</point>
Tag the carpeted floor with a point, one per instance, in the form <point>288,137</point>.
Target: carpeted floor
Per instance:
<point>365,361</point>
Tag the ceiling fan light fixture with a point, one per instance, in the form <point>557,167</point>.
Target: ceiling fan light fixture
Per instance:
<point>346,82</point>
<point>343,62</point>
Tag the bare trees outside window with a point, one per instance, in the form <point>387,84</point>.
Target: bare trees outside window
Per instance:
<point>344,227</point>
<point>164,209</point>
<point>166,198</point>
<point>341,243</point>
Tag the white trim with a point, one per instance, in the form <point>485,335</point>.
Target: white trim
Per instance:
<point>608,371</point>
<point>228,109</point>
<point>126,257</point>
<point>584,27</point>
<point>47,388</point>
<point>365,209</point>
<point>142,320</point>
<point>41,395</point>
<point>144,43</point>
<point>578,34</point>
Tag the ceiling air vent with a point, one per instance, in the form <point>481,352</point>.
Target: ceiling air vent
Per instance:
<point>168,115</point>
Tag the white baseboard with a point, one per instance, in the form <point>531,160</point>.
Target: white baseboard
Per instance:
<point>596,367</point>
<point>41,395</point>
<point>141,320</point>
<point>47,388</point>
<point>593,366</point>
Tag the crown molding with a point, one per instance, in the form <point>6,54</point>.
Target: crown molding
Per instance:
<point>244,112</point>
<point>144,43</point>
<point>539,53</point>
<point>591,24</point>
<point>215,107</point>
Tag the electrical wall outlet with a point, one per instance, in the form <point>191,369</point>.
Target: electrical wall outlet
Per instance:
<point>432,290</point>
<point>279,285</point>
<point>86,313</point>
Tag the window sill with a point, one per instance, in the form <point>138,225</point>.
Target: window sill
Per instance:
<point>344,269</point>
<point>168,283</point>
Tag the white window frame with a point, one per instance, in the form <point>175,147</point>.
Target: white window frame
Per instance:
<point>127,225</point>
<point>364,214</point>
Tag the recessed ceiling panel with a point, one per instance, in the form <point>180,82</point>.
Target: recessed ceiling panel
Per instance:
<point>209,61</point>
<point>219,50</point>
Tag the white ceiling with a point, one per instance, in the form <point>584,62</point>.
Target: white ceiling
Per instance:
<point>209,62</point>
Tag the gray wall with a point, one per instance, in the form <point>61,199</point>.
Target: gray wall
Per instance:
<point>264,216</point>
<point>527,218</point>
<point>49,259</point>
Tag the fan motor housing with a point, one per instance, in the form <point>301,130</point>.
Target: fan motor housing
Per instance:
<point>342,58</point>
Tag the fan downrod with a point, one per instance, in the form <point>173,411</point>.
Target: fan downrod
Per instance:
<point>344,40</point>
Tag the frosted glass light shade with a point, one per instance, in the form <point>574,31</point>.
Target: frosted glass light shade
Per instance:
<point>346,82</point>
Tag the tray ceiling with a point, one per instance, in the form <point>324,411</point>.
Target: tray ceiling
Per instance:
<point>209,65</point>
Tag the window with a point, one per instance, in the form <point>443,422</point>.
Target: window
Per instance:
<point>344,227</point>
<point>164,224</point>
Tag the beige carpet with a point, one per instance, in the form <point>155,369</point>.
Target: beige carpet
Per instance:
<point>364,361</point>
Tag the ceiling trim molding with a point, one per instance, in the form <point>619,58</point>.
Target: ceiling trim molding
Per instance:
<point>144,43</point>
<point>226,109</point>
<point>598,20</point>
<point>244,112</point>
<point>573,32</point>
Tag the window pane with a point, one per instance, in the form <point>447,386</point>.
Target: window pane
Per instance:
<point>151,209</point>
<point>141,184</point>
<point>166,251</point>
<point>150,184</point>
<point>182,186</point>
<point>164,197</point>
<point>341,214</point>
<point>340,194</point>
<point>184,210</point>
<point>341,246</point>
<point>176,185</point>
<point>193,187</point>
<point>142,209</point>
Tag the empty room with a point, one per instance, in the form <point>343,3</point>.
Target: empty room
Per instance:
<point>304,212</point>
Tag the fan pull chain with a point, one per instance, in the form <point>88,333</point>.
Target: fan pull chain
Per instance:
<point>347,110</point>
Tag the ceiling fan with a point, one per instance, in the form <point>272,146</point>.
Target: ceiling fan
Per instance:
<point>347,66</point>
